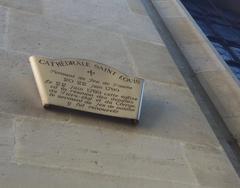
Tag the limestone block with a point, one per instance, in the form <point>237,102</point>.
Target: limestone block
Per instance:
<point>172,112</point>
<point>167,111</point>
<point>19,93</point>
<point>223,91</point>
<point>137,7</point>
<point>81,42</point>
<point>154,62</point>
<point>61,28</point>
<point>114,16</point>
<point>14,176</point>
<point>91,12</point>
<point>134,26</point>
<point>6,137</point>
<point>169,8</point>
<point>201,57</point>
<point>211,166</point>
<point>100,150</point>
<point>26,5</point>
<point>3,26</point>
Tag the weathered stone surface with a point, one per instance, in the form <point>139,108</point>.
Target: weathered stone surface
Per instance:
<point>135,26</point>
<point>167,111</point>
<point>211,166</point>
<point>100,150</point>
<point>211,70</point>
<point>26,5</point>
<point>169,8</point>
<point>40,148</point>
<point>6,137</point>
<point>183,32</point>
<point>173,113</point>
<point>81,42</point>
<point>201,57</point>
<point>224,93</point>
<point>154,62</point>
<point>94,11</point>
<point>26,176</point>
<point>3,26</point>
<point>19,94</point>
<point>137,7</point>
<point>122,20</point>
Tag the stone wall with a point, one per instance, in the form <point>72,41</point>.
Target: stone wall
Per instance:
<point>173,146</point>
<point>210,69</point>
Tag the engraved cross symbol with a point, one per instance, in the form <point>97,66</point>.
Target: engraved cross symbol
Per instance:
<point>91,72</point>
<point>48,81</point>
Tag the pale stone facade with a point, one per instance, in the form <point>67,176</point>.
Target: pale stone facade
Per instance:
<point>210,69</point>
<point>174,145</point>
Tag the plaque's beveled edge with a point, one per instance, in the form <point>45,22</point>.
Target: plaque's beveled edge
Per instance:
<point>141,99</point>
<point>38,79</point>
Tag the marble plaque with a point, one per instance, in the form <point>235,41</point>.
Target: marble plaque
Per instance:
<point>87,85</point>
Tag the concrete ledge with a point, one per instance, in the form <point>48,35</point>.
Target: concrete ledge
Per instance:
<point>214,75</point>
